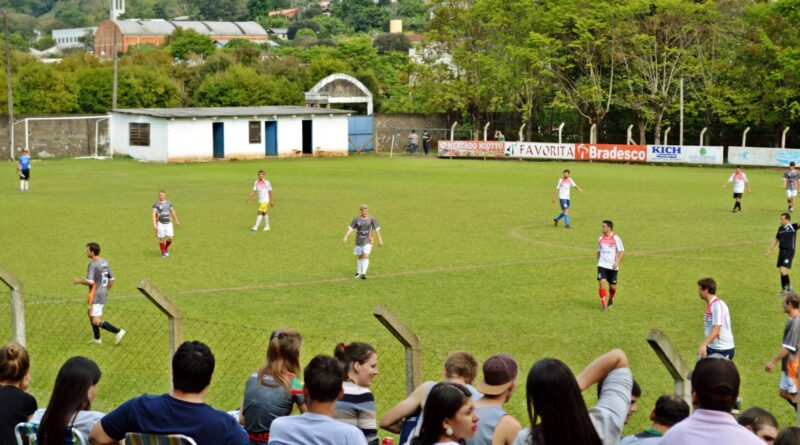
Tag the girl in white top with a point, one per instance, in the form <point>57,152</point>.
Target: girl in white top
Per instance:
<point>449,416</point>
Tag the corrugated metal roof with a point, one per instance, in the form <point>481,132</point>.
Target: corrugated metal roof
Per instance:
<point>252,28</point>
<point>287,110</point>
<point>164,27</point>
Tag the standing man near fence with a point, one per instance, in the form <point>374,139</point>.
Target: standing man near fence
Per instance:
<point>265,200</point>
<point>100,280</point>
<point>163,212</point>
<point>565,183</point>
<point>366,227</point>
<point>413,141</point>
<point>790,178</point>
<point>739,180</point>
<point>24,169</point>
<point>785,239</point>
<point>426,142</point>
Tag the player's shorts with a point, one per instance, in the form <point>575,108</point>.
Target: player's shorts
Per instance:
<point>737,195</point>
<point>25,174</point>
<point>362,250</point>
<point>607,274</point>
<point>95,310</point>
<point>564,203</point>
<point>791,193</point>
<point>785,258</point>
<point>788,382</point>
<point>263,206</point>
<point>164,230</point>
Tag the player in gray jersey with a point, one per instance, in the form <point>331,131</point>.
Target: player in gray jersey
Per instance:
<point>163,213</point>
<point>100,280</point>
<point>790,178</point>
<point>365,227</point>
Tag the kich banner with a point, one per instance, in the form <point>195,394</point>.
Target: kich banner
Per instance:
<point>611,152</point>
<point>472,149</point>
<point>685,154</point>
<point>540,150</point>
<point>773,157</point>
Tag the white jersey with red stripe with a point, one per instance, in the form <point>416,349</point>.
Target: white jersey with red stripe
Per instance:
<point>263,188</point>
<point>563,186</point>
<point>717,314</point>
<point>739,179</point>
<point>608,247</point>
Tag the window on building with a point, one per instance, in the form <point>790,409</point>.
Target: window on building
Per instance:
<point>139,134</point>
<point>255,132</point>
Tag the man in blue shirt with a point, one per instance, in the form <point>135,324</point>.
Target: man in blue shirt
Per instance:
<point>182,411</point>
<point>323,387</point>
<point>24,169</point>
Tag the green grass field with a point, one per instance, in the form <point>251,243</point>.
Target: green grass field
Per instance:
<point>471,261</point>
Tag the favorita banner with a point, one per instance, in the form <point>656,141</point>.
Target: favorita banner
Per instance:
<point>611,152</point>
<point>540,150</point>
<point>774,157</point>
<point>687,154</point>
<point>471,149</point>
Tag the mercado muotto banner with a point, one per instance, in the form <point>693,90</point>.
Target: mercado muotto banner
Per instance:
<point>773,157</point>
<point>685,154</point>
<point>472,149</point>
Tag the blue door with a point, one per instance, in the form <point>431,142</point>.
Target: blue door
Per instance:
<point>360,134</point>
<point>271,137</point>
<point>219,140</point>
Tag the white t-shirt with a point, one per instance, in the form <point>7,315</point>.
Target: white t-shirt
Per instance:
<point>84,421</point>
<point>738,180</point>
<point>717,314</point>
<point>564,186</point>
<point>263,188</point>
<point>608,246</point>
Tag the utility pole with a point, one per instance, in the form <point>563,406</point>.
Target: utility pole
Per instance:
<point>680,137</point>
<point>114,84</point>
<point>9,87</point>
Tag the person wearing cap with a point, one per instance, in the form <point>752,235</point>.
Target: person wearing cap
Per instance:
<point>669,410</point>
<point>495,425</point>
<point>715,387</point>
<point>366,227</point>
<point>717,318</point>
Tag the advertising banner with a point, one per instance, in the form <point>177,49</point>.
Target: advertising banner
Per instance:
<point>540,150</point>
<point>611,152</point>
<point>773,157</point>
<point>686,154</point>
<point>472,149</point>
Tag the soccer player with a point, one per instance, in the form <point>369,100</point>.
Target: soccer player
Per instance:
<point>366,227</point>
<point>565,183</point>
<point>790,178</point>
<point>609,253</point>
<point>785,239</point>
<point>739,180</point>
<point>717,319</point>
<point>788,354</point>
<point>163,213</point>
<point>100,280</point>
<point>24,169</point>
<point>265,200</point>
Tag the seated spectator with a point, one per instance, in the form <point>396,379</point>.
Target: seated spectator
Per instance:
<point>357,405</point>
<point>323,377</point>
<point>449,416</point>
<point>273,390</point>
<point>71,402</point>
<point>16,405</point>
<point>715,387</point>
<point>557,412</point>
<point>636,392</point>
<point>406,417</point>
<point>761,422</point>
<point>788,436</point>
<point>669,410</point>
<point>496,426</point>
<point>182,411</point>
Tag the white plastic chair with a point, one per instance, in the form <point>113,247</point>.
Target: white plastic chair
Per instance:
<point>27,434</point>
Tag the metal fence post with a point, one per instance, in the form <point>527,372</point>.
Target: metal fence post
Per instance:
<point>410,342</point>
<point>169,308</point>
<point>673,362</point>
<point>17,306</point>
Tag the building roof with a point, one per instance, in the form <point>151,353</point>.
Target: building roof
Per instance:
<point>288,110</point>
<point>166,27</point>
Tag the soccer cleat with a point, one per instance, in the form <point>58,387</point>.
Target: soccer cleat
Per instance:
<point>357,275</point>
<point>266,229</point>
<point>95,341</point>
<point>363,277</point>
<point>555,222</point>
<point>118,337</point>
<point>255,229</point>
<point>567,226</point>
<point>166,253</point>
<point>610,303</point>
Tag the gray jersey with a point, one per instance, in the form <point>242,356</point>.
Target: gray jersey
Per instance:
<point>99,274</point>
<point>791,179</point>
<point>164,210</point>
<point>364,227</point>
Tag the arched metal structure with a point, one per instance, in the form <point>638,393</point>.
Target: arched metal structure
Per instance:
<point>339,89</point>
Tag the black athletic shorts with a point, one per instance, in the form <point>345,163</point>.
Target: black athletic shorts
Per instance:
<point>25,174</point>
<point>737,195</point>
<point>785,258</point>
<point>607,274</point>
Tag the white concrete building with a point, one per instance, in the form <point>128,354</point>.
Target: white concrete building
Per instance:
<point>201,134</point>
<point>71,38</point>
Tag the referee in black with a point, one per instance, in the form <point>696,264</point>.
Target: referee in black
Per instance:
<point>785,239</point>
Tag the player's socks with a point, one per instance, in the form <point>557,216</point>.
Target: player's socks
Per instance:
<point>266,221</point>
<point>167,244</point>
<point>96,332</point>
<point>258,222</point>
<point>109,327</point>
<point>611,293</point>
<point>26,185</point>
<point>566,219</point>
<point>358,266</point>
<point>163,247</point>
<point>364,266</point>
<point>560,215</point>
<point>785,282</point>
<point>603,297</point>
<point>21,185</point>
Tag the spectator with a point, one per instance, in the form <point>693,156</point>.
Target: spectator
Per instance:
<point>715,387</point>
<point>357,405</point>
<point>426,142</point>
<point>669,410</point>
<point>499,136</point>
<point>761,422</point>
<point>16,405</point>
<point>406,417</point>
<point>636,392</point>
<point>788,436</point>
<point>273,390</point>
<point>449,417</point>
<point>557,412</point>
<point>413,141</point>
<point>182,411</point>
<point>324,377</point>
<point>71,402</point>
<point>496,426</point>
<point>788,353</point>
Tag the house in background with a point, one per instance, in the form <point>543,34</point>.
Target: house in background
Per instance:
<point>71,38</point>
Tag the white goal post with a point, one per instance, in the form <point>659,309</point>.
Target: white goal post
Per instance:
<point>26,121</point>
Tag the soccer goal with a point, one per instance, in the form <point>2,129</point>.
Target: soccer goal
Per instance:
<point>75,136</point>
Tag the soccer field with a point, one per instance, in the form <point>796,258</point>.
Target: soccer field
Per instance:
<point>471,261</point>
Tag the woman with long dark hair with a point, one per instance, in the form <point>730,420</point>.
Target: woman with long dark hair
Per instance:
<point>449,416</point>
<point>16,405</point>
<point>557,412</point>
<point>71,402</point>
<point>357,405</point>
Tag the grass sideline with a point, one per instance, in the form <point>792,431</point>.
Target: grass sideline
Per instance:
<point>471,261</point>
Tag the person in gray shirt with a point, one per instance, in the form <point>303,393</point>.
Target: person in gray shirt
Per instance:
<point>365,227</point>
<point>100,280</point>
<point>163,214</point>
<point>790,178</point>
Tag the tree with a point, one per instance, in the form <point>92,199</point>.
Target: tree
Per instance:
<point>40,88</point>
<point>386,42</point>
<point>260,8</point>
<point>94,89</point>
<point>221,9</point>
<point>44,43</point>
<point>330,26</point>
<point>302,24</point>
<point>146,87</point>
<point>244,86</point>
<point>182,42</point>
<point>362,15</point>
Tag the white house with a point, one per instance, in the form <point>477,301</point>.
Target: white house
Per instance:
<point>71,38</point>
<point>199,134</point>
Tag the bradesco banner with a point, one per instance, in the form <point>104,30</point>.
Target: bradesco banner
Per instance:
<point>686,154</point>
<point>773,157</point>
<point>611,152</point>
<point>540,150</point>
<point>471,149</point>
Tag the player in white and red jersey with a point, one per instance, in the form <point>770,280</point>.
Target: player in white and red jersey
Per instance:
<point>563,186</point>
<point>265,200</point>
<point>609,254</point>
<point>739,180</point>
